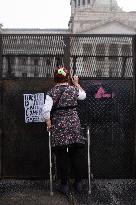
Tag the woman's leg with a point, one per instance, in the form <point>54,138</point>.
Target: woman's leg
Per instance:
<point>75,154</point>
<point>62,164</point>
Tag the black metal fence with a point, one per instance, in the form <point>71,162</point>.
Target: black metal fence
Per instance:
<point>89,56</point>
<point>106,66</point>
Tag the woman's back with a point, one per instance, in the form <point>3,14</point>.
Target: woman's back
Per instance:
<point>64,95</point>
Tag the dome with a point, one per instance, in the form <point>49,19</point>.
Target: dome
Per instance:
<point>106,4</point>
<point>96,4</point>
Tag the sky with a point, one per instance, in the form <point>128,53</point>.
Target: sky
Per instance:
<point>127,5</point>
<point>42,13</point>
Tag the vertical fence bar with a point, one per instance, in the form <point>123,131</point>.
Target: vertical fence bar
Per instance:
<point>1,68</point>
<point>9,67</point>
<point>134,99</point>
<point>66,51</point>
<point>1,103</point>
<point>74,65</point>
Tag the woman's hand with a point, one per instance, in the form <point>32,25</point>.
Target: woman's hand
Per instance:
<point>75,80</point>
<point>48,123</point>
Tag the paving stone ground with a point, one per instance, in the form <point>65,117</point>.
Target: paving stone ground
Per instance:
<point>36,192</point>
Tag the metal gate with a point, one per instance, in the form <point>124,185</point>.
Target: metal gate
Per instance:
<point>106,67</point>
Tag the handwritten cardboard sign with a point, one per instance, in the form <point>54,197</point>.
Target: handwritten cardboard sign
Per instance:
<point>33,104</point>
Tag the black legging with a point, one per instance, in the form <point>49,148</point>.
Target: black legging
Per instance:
<point>66,160</point>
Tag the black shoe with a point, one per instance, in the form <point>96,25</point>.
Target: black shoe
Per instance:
<point>78,187</point>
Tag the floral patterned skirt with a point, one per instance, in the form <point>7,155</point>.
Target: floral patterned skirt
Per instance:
<point>66,128</point>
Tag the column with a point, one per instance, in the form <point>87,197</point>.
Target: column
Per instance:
<point>73,5</point>
<point>86,2</point>
<point>29,70</point>
<point>16,66</point>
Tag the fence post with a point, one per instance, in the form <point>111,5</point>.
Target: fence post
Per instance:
<point>1,105</point>
<point>134,99</point>
<point>67,51</point>
<point>9,67</point>
<point>1,71</point>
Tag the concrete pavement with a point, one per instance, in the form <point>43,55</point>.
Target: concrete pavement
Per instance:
<point>36,192</point>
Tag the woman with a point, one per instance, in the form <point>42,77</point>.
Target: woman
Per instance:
<point>61,117</point>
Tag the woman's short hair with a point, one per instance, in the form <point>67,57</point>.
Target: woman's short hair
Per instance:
<point>61,74</point>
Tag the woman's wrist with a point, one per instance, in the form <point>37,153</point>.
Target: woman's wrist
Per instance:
<point>48,122</point>
<point>77,85</point>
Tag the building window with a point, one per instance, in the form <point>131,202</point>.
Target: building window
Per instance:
<point>113,52</point>
<point>48,62</point>
<point>12,61</point>
<point>23,61</point>
<point>78,2</point>
<point>126,50</point>
<point>35,61</point>
<point>24,75</point>
<point>87,49</point>
<point>83,2</point>
<point>100,52</point>
<point>59,61</point>
<point>88,1</point>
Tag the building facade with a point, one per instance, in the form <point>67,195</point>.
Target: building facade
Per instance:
<point>101,17</point>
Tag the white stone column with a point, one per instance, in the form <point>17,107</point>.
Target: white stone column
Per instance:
<point>72,7</point>
<point>42,68</point>
<point>1,28</point>
<point>29,60</point>
<point>5,66</point>
<point>76,3</point>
